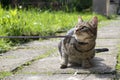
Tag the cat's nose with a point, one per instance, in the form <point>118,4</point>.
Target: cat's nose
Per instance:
<point>77,30</point>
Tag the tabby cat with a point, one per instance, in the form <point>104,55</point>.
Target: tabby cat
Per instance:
<point>79,47</point>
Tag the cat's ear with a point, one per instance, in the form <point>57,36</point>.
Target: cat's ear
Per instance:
<point>80,19</point>
<point>95,21</point>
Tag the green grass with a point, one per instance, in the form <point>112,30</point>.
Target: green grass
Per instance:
<point>14,22</point>
<point>118,60</point>
<point>4,74</point>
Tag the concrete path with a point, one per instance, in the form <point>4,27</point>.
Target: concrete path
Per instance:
<point>47,68</point>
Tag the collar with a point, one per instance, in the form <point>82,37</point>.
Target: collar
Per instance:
<point>74,45</point>
<point>81,43</point>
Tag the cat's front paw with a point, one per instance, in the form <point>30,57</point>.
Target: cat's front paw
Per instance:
<point>63,66</point>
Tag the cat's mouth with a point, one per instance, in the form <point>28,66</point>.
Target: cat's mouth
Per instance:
<point>82,43</point>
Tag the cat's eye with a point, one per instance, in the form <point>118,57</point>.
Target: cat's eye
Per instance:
<point>84,28</point>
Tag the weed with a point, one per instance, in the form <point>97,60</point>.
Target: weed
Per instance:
<point>4,74</point>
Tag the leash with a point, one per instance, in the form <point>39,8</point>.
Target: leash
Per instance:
<point>32,37</point>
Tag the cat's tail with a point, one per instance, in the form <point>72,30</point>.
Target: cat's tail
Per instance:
<point>101,50</point>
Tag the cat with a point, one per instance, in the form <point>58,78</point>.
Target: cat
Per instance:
<point>79,46</point>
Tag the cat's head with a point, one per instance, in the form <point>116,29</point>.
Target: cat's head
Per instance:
<point>86,31</point>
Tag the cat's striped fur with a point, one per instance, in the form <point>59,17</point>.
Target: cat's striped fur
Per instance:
<point>80,48</point>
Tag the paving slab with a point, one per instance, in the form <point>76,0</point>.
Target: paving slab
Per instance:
<point>112,30</point>
<point>107,42</point>
<point>15,58</point>
<point>108,35</point>
<point>62,77</point>
<point>101,64</point>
